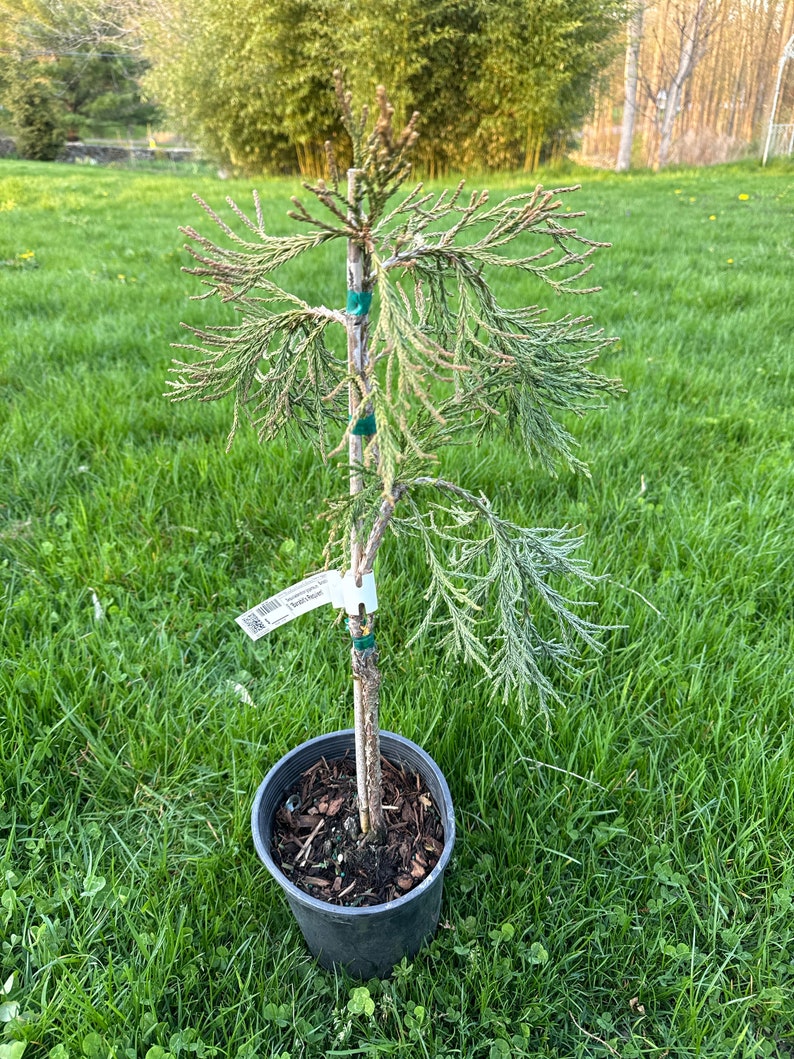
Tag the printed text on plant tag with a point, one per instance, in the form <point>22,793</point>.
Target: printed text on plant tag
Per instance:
<point>291,602</point>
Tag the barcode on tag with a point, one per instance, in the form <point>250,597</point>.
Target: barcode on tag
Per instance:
<point>298,599</point>
<point>252,625</point>
<point>268,606</point>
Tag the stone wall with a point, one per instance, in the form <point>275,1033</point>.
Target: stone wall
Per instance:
<point>107,153</point>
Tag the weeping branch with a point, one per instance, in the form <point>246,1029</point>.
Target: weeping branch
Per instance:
<point>489,579</point>
<point>445,363</point>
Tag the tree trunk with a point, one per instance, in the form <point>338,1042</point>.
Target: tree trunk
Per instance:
<point>687,60</point>
<point>695,32</point>
<point>630,101</point>
<point>761,83</point>
<point>364,655</point>
<point>366,697</point>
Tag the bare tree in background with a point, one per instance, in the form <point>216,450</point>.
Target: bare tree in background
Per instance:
<point>630,80</point>
<point>724,104</point>
<point>695,23</point>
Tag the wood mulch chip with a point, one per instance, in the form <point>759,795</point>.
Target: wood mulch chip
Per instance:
<point>318,845</point>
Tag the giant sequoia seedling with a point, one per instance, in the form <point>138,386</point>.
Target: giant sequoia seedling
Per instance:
<point>432,359</point>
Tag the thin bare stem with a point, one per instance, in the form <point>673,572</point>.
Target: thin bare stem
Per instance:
<point>366,675</point>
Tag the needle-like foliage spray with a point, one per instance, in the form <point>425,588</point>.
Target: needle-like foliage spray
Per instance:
<point>431,358</point>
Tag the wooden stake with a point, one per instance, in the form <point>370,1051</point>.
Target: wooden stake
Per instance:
<point>366,675</point>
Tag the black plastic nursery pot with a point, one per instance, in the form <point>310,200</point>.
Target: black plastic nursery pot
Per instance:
<point>369,941</point>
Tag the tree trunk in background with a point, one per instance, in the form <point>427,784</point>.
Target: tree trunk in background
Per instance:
<point>724,103</point>
<point>630,101</point>
<point>760,95</point>
<point>692,40</point>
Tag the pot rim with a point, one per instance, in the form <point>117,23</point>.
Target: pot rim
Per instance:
<point>295,893</point>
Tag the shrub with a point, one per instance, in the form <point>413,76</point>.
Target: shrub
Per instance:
<point>38,130</point>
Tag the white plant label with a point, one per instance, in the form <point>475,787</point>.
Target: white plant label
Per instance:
<point>326,587</point>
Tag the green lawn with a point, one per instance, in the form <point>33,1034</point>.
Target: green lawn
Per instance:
<point>623,883</point>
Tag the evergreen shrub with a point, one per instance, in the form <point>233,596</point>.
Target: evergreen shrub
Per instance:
<point>37,127</point>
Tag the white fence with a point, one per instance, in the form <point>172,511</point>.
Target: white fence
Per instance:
<point>780,140</point>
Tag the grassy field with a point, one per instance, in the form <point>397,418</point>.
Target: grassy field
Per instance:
<point>623,883</point>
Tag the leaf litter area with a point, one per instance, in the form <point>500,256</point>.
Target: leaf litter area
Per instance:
<point>319,847</point>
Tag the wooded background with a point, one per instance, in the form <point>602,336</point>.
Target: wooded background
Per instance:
<point>726,100</point>
<point>500,84</point>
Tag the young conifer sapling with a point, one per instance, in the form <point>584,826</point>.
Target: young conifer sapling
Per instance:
<point>432,359</point>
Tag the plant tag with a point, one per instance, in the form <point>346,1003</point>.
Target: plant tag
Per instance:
<point>326,587</point>
<point>353,595</point>
<point>290,603</point>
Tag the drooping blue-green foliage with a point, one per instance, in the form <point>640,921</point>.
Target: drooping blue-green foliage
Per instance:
<point>441,361</point>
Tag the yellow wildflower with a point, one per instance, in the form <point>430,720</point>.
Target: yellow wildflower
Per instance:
<point>743,197</point>
<point>713,217</point>
<point>730,260</point>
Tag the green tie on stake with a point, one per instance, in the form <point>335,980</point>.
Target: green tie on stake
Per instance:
<point>365,427</point>
<point>358,302</point>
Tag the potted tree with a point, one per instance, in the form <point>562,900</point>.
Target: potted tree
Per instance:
<point>429,359</point>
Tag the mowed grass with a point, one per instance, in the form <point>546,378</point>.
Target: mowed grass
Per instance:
<point>623,881</point>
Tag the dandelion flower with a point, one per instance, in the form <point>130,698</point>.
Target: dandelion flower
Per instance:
<point>743,197</point>
<point>713,217</point>
<point>730,260</point>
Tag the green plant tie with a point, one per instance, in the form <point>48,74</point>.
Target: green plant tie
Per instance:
<point>358,302</point>
<point>365,427</point>
<point>361,643</point>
